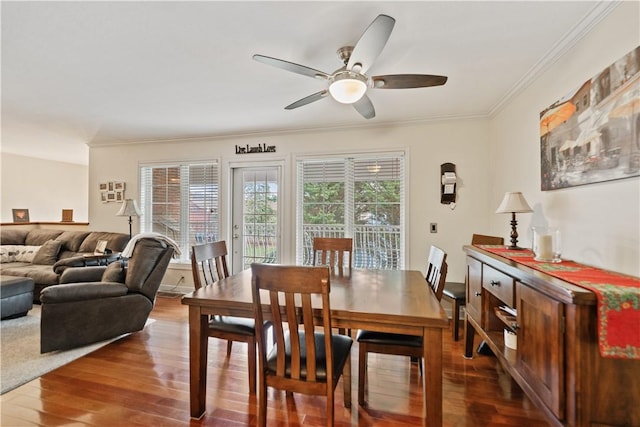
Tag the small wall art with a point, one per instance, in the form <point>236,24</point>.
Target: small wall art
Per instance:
<point>111,191</point>
<point>20,215</point>
<point>67,215</point>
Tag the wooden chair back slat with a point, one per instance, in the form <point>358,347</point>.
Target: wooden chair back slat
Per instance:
<point>209,263</point>
<point>482,239</point>
<point>332,251</point>
<point>436,270</point>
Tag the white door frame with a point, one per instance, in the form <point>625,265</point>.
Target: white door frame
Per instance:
<point>284,205</point>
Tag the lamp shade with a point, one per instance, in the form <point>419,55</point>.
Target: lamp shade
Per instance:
<point>129,208</point>
<point>348,87</point>
<point>513,202</point>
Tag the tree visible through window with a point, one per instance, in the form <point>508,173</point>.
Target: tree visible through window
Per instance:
<point>360,197</point>
<point>181,202</point>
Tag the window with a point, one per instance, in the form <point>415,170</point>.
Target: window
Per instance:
<point>360,197</point>
<point>181,202</point>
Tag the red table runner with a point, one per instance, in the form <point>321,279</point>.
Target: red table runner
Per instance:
<point>618,299</point>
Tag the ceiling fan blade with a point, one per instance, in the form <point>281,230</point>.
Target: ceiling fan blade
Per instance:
<point>290,66</point>
<point>371,43</point>
<point>307,100</point>
<point>364,106</point>
<point>407,81</point>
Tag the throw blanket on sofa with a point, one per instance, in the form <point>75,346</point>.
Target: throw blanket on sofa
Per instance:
<point>128,250</point>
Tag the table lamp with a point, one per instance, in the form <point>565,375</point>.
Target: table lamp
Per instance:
<point>129,208</point>
<point>513,203</point>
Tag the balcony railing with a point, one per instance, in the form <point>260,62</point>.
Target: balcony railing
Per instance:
<point>374,246</point>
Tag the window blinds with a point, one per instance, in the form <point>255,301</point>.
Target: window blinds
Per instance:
<point>357,196</point>
<point>181,201</point>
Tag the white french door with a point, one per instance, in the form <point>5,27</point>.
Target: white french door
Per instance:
<point>256,225</point>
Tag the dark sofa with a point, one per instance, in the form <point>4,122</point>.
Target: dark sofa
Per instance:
<point>92,304</point>
<point>43,254</point>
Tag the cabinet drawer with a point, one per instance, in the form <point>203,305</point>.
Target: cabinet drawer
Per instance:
<point>498,284</point>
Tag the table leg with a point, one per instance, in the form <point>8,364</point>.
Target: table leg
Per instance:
<point>198,346</point>
<point>433,376</point>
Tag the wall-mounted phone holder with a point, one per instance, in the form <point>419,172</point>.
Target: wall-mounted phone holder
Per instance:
<point>448,183</point>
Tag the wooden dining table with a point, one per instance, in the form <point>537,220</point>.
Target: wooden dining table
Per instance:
<point>396,301</point>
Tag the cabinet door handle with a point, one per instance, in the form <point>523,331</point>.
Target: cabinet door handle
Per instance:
<point>494,283</point>
<point>515,326</point>
<point>477,294</point>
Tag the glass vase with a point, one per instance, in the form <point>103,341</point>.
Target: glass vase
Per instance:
<point>546,244</point>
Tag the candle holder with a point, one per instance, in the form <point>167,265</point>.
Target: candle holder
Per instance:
<point>546,244</point>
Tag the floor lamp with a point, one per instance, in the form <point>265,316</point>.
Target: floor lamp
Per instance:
<point>129,208</point>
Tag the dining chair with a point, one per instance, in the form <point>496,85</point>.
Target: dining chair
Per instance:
<point>332,251</point>
<point>456,292</point>
<point>208,265</point>
<point>306,358</point>
<point>401,344</point>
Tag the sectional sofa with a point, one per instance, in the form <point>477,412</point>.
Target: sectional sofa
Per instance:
<point>43,254</point>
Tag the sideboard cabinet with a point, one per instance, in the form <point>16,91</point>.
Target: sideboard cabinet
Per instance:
<point>556,361</point>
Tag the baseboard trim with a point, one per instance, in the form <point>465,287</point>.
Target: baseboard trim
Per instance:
<point>173,289</point>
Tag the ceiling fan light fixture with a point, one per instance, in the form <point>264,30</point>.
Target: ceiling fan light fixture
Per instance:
<point>347,87</point>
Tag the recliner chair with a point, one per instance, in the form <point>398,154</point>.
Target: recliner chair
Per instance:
<point>97,303</point>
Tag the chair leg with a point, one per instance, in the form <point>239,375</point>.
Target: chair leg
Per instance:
<point>455,317</point>
<point>262,403</point>
<point>330,409</point>
<point>251,358</point>
<point>362,371</point>
<point>229,344</point>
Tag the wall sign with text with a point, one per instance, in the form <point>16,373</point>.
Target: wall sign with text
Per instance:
<point>260,148</point>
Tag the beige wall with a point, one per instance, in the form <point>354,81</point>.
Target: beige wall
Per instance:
<point>599,222</point>
<point>44,187</point>
<point>464,143</point>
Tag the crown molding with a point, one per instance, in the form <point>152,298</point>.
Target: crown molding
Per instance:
<point>573,36</point>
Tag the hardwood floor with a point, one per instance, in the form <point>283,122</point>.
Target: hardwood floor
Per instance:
<point>143,380</point>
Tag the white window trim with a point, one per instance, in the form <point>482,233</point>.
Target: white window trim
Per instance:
<point>145,223</point>
<point>382,153</point>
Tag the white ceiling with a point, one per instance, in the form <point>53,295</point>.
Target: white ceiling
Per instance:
<point>77,73</point>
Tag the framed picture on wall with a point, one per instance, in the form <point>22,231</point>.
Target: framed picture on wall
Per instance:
<point>592,134</point>
<point>20,215</point>
<point>67,215</point>
<point>111,191</point>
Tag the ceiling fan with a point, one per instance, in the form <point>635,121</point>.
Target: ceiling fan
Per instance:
<point>349,83</point>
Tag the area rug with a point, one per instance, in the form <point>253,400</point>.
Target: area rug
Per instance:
<point>20,358</point>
